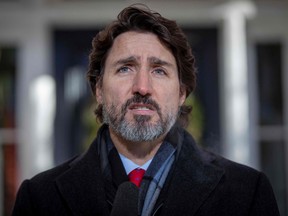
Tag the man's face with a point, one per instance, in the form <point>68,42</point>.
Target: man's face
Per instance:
<point>140,91</point>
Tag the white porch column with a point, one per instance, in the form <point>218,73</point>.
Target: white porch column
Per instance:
<point>235,89</point>
<point>35,101</point>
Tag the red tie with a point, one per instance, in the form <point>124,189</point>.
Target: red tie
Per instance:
<point>136,175</point>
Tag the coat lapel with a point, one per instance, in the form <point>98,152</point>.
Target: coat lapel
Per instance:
<point>82,186</point>
<point>194,178</point>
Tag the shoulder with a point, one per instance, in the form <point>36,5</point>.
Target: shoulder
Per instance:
<point>233,172</point>
<point>34,194</point>
<point>53,173</point>
<point>248,186</point>
<point>45,182</point>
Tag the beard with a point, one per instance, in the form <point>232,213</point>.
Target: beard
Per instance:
<point>140,129</point>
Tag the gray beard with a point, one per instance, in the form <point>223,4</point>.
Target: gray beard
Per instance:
<point>141,130</point>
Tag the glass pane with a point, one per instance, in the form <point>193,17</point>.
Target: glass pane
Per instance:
<point>204,121</point>
<point>273,165</point>
<point>7,125</point>
<point>270,83</point>
<point>71,51</point>
<point>7,87</point>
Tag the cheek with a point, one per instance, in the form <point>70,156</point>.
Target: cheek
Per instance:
<point>173,95</point>
<point>171,102</point>
<point>113,96</point>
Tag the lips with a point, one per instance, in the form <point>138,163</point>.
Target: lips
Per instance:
<point>142,107</point>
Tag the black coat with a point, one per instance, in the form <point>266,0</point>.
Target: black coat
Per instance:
<point>200,184</point>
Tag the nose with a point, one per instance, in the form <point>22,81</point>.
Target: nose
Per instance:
<point>142,83</point>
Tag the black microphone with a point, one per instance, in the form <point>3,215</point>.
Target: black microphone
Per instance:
<point>126,200</point>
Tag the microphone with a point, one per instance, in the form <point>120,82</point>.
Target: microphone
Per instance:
<point>126,200</point>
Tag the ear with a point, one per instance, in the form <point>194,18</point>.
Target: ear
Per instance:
<point>182,97</point>
<point>99,93</point>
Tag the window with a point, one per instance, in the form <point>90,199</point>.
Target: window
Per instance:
<point>271,118</point>
<point>7,128</point>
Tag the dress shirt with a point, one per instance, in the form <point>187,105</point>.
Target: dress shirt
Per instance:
<point>130,165</point>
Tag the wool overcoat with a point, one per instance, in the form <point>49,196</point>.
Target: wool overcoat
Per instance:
<point>200,183</point>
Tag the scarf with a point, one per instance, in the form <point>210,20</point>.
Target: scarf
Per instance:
<point>154,177</point>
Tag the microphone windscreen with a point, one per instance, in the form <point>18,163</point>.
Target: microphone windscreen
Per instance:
<point>126,200</point>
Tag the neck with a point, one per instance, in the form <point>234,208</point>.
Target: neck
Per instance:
<point>138,152</point>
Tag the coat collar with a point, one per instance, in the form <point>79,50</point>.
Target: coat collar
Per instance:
<point>192,180</point>
<point>82,185</point>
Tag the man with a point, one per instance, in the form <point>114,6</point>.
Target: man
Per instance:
<point>141,71</point>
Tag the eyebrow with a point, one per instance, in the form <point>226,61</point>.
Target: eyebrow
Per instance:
<point>157,61</point>
<point>152,60</point>
<point>122,61</point>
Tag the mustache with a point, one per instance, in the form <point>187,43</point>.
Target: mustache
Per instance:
<point>137,98</point>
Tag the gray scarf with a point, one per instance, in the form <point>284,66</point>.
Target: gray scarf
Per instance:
<point>154,177</point>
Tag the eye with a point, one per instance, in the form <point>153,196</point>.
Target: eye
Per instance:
<point>159,71</point>
<point>124,69</point>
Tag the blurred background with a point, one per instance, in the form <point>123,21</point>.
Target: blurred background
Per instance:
<point>46,107</point>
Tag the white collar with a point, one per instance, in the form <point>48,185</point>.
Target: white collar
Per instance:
<point>130,165</point>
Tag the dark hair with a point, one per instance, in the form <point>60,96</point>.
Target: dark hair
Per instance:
<point>140,18</point>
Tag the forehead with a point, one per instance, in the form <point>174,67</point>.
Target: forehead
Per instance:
<point>142,45</point>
